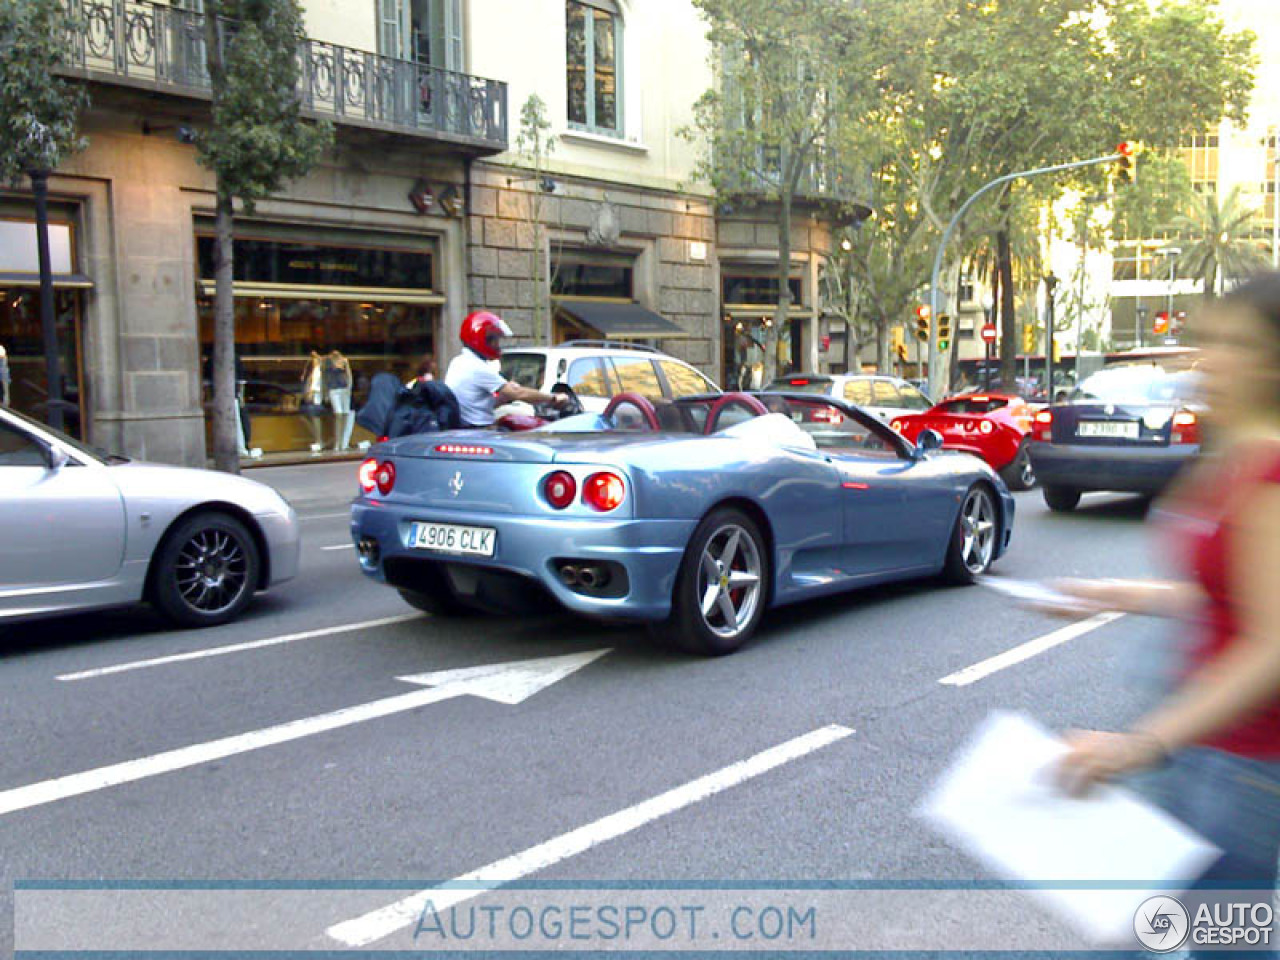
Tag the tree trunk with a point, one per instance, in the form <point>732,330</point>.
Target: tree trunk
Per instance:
<point>1008,322</point>
<point>782,313</point>
<point>226,449</point>
<point>883,362</point>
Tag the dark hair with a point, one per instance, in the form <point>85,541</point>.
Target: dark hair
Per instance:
<point>427,365</point>
<point>1261,294</point>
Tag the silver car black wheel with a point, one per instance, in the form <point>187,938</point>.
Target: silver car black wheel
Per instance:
<point>212,571</point>
<point>730,581</point>
<point>978,528</point>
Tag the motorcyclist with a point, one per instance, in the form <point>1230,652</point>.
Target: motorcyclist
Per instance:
<point>474,377</point>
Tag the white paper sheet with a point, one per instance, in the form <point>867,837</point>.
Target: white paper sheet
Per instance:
<point>998,801</point>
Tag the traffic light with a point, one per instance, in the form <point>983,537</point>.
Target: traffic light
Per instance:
<point>922,321</point>
<point>944,331</point>
<point>1127,162</point>
<point>901,350</point>
<point>1028,338</point>
<point>1161,322</point>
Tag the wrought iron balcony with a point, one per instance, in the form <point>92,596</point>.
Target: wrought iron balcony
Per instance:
<point>823,179</point>
<point>154,46</point>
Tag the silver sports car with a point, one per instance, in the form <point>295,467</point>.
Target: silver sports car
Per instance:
<point>81,530</point>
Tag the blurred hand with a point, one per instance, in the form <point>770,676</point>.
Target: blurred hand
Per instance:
<point>1095,757</point>
<point>1095,596</point>
<point>560,400</point>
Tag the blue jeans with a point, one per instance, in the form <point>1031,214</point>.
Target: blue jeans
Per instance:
<point>1234,802</point>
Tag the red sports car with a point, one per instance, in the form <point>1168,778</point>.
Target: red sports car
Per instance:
<point>993,426</point>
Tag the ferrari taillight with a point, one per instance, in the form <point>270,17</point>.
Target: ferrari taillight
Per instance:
<point>1042,427</point>
<point>604,491</point>
<point>560,488</point>
<point>985,426</point>
<point>897,426</point>
<point>385,477</point>
<point>1186,428</point>
<point>366,475</point>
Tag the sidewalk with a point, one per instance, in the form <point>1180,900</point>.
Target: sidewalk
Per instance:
<point>311,487</point>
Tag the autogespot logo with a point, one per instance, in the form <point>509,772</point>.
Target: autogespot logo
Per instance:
<point>1161,924</point>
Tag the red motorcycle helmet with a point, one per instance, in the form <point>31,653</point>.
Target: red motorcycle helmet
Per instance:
<point>481,332</point>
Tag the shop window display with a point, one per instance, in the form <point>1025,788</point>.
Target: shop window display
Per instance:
<point>306,365</point>
<point>23,383</point>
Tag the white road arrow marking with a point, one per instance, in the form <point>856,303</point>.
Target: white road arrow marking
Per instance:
<point>505,682</point>
<point>377,924</point>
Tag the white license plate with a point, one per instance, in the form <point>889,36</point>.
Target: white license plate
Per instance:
<point>1125,429</point>
<point>453,538</point>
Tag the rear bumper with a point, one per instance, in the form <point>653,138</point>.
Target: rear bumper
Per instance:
<point>523,572</point>
<point>1124,469</point>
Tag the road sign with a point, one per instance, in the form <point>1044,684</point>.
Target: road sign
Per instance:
<point>988,333</point>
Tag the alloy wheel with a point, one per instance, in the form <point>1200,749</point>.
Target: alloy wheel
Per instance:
<point>729,580</point>
<point>978,530</point>
<point>212,571</point>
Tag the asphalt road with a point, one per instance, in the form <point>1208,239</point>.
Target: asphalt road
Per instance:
<point>431,793</point>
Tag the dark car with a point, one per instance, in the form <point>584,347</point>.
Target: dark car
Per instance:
<point>1127,428</point>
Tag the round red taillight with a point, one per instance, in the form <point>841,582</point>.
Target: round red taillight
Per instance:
<point>560,488</point>
<point>985,426</point>
<point>385,477</point>
<point>366,475</point>
<point>604,491</point>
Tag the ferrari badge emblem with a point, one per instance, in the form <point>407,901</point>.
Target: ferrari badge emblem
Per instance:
<point>456,483</point>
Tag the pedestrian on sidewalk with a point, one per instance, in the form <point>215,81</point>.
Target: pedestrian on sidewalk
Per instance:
<point>1214,741</point>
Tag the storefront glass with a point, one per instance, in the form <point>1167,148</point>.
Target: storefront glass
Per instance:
<point>309,344</point>
<point>23,382</point>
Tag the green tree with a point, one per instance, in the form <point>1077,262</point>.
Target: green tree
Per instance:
<point>256,141</point>
<point>783,66</point>
<point>970,92</point>
<point>33,45</point>
<point>535,145</point>
<point>39,113</point>
<point>1219,240</point>
<point>1149,206</point>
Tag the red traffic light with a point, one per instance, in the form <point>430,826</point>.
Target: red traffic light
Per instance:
<point>923,312</point>
<point>1127,148</point>
<point>1161,322</point>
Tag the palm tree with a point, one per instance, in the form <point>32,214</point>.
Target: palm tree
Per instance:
<point>1218,240</point>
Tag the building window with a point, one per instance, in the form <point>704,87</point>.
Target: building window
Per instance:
<point>759,290</point>
<point>428,31</point>
<point>593,56</point>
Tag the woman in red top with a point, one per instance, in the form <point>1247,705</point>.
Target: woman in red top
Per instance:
<point>1218,733</point>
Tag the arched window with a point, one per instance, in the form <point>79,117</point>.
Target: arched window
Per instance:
<point>593,58</point>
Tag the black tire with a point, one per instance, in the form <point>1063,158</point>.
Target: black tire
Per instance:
<point>1061,499</point>
<point>688,628</point>
<point>975,536</point>
<point>438,603</point>
<point>1020,474</point>
<point>206,570</point>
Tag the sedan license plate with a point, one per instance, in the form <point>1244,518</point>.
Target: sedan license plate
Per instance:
<point>1123,429</point>
<point>453,538</point>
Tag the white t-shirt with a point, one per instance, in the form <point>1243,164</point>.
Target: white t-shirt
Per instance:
<point>473,381</point>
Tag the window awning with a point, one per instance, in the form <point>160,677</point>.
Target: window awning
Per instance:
<point>61,281</point>
<point>622,321</point>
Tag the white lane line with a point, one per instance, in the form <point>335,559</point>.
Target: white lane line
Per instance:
<point>340,546</point>
<point>1025,651</point>
<point>89,781</point>
<point>323,516</point>
<point>237,647</point>
<point>377,924</point>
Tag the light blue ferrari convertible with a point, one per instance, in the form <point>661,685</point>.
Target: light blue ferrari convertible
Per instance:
<point>695,517</point>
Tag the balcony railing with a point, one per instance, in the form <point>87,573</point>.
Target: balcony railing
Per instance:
<point>155,46</point>
<point>822,179</point>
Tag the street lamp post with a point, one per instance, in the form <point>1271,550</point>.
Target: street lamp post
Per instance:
<point>988,304</point>
<point>1172,253</point>
<point>43,148</point>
